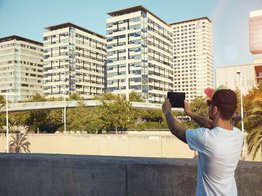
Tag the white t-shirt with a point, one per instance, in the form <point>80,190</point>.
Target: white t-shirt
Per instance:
<point>219,152</point>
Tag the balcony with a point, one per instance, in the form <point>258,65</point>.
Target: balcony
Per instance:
<point>258,70</point>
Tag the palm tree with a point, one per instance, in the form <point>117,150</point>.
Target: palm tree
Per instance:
<point>253,121</point>
<point>2,115</point>
<point>19,143</point>
<point>2,101</point>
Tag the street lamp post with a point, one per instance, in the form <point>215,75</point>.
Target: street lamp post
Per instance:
<point>65,106</point>
<point>241,111</point>
<point>7,118</point>
<point>65,114</point>
<point>127,67</point>
<point>7,123</point>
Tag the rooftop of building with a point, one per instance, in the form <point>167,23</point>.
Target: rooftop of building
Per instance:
<point>132,10</point>
<point>69,24</point>
<point>229,66</point>
<point>256,13</point>
<point>18,38</point>
<point>191,20</point>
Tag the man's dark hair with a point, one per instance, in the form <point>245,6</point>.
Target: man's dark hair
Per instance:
<point>226,101</point>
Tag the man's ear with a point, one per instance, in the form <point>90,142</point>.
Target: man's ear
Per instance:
<point>215,110</point>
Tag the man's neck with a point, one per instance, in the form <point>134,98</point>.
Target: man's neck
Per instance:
<point>225,124</point>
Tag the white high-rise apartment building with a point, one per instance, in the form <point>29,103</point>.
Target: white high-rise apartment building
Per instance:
<point>139,54</point>
<point>74,61</point>
<point>255,40</point>
<point>193,56</point>
<point>255,32</point>
<point>21,68</point>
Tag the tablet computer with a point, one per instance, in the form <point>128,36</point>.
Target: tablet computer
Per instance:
<point>176,99</point>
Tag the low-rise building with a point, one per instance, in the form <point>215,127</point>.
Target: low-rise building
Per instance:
<point>231,76</point>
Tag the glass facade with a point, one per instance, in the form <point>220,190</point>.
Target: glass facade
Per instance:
<point>21,68</point>
<point>74,61</point>
<point>139,54</point>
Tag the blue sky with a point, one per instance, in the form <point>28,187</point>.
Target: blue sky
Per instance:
<point>28,18</point>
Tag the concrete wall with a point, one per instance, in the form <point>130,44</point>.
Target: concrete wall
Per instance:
<point>39,174</point>
<point>154,144</point>
<point>159,144</point>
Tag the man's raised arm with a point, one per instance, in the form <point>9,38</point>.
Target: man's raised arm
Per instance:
<point>201,120</point>
<point>173,124</point>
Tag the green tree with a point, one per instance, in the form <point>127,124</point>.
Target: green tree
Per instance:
<point>75,96</point>
<point>37,119</point>
<point>2,101</point>
<point>18,118</point>
<point>54,117</point>
<point>253,120</point>
<point>136,97</point>
<point>84,119</point>
<point>199,106</point>
<point>108,96</point>
<point>19,143</point>
<point>93,123</point>
<point>114,114</point>
<point>36,98</point>
<point>53,122</point>
<point>148,119</point>
<point>144,118</point>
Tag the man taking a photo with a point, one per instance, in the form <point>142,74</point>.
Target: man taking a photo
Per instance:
<point>217,142</point>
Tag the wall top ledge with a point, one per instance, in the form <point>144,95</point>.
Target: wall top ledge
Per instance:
<point>113,159</point>
<point>102,159</point>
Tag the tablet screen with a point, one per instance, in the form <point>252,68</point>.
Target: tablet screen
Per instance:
<point>176,99</point>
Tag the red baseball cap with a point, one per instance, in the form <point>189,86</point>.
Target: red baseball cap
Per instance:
<point>211,91</point>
